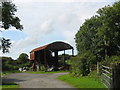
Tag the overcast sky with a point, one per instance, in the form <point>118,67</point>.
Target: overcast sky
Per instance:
<point>46,21</point>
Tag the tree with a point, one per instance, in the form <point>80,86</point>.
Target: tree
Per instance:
<point>8,16</point>
<point>5,45</point>
<point>8,20</point>
<point>87,39</point>
<point>101,33</point>
<point>99,36</point>
<point>23,59</point>
<point>110,30</point>
<point>8,64</point>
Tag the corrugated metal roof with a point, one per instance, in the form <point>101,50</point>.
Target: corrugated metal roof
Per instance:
<point>55,46</point>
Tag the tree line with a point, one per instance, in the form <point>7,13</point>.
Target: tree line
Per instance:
<point>98,40</point>
<point>9,64</point>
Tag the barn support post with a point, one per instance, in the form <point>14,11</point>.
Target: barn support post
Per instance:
<point>64,58</point>
<point>39,65</point>
<point>45,61</point>
<point>33,66</point>
<point>56,60</point>
<point>37,61</point>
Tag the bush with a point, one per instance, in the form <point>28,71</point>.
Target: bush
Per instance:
<point>8,64</point>
<point>80,65</point>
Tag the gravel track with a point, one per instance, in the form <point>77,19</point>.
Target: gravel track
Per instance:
<point>27,80</point>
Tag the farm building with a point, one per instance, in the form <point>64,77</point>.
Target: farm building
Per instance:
<point>47,55</point>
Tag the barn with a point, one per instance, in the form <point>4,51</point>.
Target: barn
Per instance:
<point>47,55</point>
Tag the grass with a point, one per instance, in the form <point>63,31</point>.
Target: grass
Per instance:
<point>9,72</point>
<point>42,72</point>
<point>9,85</point>
<point>5,86</point>
<point>90,81</point>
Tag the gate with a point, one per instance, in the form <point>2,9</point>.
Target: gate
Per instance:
<point>111,76</point>
<point>107,76</point>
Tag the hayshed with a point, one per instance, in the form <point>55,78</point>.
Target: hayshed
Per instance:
<point>47,55</point>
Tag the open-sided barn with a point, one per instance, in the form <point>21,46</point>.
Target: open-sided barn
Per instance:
<point>43,55</point>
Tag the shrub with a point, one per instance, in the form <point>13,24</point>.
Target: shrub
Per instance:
<point>80,65</point>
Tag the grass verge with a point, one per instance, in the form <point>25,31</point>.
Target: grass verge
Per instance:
<point>9,85</point>
<point>6,86</point>
<point>9,72</point>
<point>90,81</point>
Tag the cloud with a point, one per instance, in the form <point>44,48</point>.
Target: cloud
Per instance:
<point>46,27</point>
<point>26,1</point>
<point>48,22</point>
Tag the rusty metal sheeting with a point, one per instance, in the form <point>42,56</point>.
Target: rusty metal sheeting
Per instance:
<point>39,48</point>
<point>55,46</point>
<point>32,56</point>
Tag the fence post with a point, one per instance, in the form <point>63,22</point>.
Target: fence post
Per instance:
<point>116,77</point>
<point>98,67</point>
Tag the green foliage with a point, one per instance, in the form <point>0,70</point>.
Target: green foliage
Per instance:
<point>63,57</point>
<point>8,16</point>
<point>110,29</point>
<point>8,64</point>
<point>109,61</point>
<point>81,65</point>
<point>99,38</point>
<point>23,60</point>
<point>9,19</point>
<point>101,33</point>
<point>9,72</point>
<point>5,45</point>
<point>5,86</point>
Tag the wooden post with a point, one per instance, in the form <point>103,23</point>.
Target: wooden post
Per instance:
<point>97,67</point>
<point>38,61</point>
<point>33,66</point>
<point>116,77</point>
<point>45,61</point>
<point>56,60</point>
<point>64,58</point>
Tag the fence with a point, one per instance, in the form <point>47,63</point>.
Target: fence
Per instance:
<point>111,76</point>
<point>107,76</point>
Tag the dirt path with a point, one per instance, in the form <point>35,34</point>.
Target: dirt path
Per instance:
<point>26,80</point>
